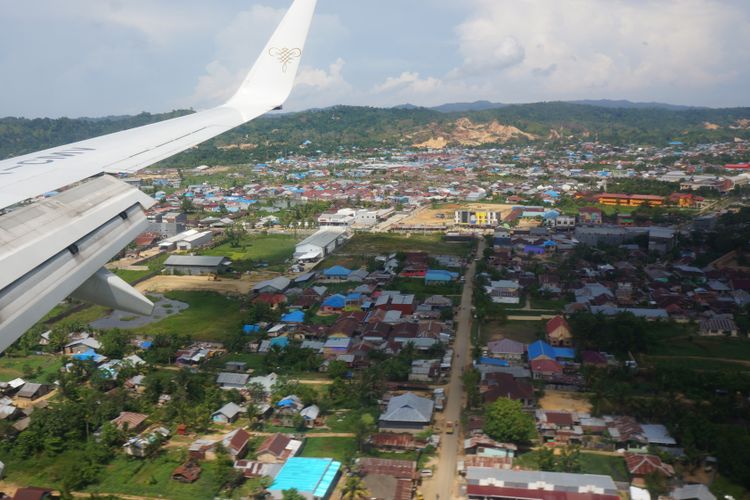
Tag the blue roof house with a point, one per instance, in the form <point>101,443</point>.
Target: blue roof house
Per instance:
<point>435,276</point>
<point>540,350</point>
<point>332,302</point>
<point>248,329</point>
<point>337,272</point>
<point>311,477</point>
<point>294,317</point>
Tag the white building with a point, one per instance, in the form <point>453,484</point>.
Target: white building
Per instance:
<point>320,244</point>
<point>195,241</point>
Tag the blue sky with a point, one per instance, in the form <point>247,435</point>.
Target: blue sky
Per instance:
<point>103,57</point>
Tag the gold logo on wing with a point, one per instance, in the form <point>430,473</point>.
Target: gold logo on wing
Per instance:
<point>284,55</point>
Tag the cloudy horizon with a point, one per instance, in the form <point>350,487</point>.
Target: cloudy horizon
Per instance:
<point>112,57</point>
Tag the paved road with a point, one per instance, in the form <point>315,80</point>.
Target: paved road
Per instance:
<point>443,485</point>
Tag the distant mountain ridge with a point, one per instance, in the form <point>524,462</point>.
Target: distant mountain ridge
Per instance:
<point>459,107</point>
<point>343,127</point>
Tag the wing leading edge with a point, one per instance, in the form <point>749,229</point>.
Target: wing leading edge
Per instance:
<point>267,86</point>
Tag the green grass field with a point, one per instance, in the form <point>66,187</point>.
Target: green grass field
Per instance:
<point>608,465</point>
<point>38,366</point>
<point>380,243</point>
<point>273,249</point>
<point>339,448</point>
<point>254,360</point>
<point>418,287</point>
<point>133,476</point>
<point>591,463</point>
<point>211,316</point>
<point>709,347</point>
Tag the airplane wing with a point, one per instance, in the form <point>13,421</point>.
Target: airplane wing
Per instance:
<point>55,247</point>
<point>266,87</point>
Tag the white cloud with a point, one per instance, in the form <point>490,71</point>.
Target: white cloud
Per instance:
<point>408,81</point>
<point>321,79</point>
<point>548,49</point>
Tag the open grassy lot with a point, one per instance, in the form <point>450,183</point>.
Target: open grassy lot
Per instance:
<point>339,448</point>
<point>608,465</point>
<point>418,287</point>
<point>346,260</point>
<point>86,315</point>
<point>591,463</point>
<point>211,316</point>
<point>705,365</point>
<point>709,347</point>
<point>133,476</point>
<point>31,368</point>
<point>254,360</point>
<point>520,331</point>
<point>272,249</point>
<point>379,243</point>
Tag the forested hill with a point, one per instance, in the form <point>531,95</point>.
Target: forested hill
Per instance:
<point>346,126</point>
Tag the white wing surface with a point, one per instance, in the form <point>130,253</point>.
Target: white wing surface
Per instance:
<point>266,87</point>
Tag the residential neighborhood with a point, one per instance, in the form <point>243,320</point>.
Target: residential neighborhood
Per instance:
<point>455,323</point>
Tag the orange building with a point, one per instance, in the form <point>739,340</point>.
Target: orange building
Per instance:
<point>630,200</point>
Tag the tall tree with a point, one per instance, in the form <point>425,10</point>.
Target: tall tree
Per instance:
<point>506,421</point>
<point>354,489</point>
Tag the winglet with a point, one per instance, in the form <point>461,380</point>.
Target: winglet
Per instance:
<point>271,78</point>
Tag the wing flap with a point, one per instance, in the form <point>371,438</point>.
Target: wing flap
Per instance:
<point>266,86</point>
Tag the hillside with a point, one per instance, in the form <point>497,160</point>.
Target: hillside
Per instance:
<point>364,127</point>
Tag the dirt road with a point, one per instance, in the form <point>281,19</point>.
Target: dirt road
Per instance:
<point>166,283</point>
<point>443,485</point>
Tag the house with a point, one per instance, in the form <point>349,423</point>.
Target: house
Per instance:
<point>720,325</point>
<point>505,385</point>
<point>438,302</point>
<point>545,368</point>
<point>504,291</point>
<point>277,449</point>
<point>484,446</point>
<point>407,412</point>
<point>558,332</point>
<point>641,466</point>
<point>507,349</point>
<point>235,443</point>
<point>187,473</point>
<point>313,478</point>
<point>129,421</point>
<point>196,265</point>
<point>333,304</point>
<point>227,413</point>
<point>294,317</point>
<point>484,483</point>
<point>139,446</point>
<point>396,441</point>
<point>33,493</point>
<point>81,345</point>
<point>439,276</point>
<point>287,408</point>
<point>542,350</point>
<point>310,415</point>
<point>31,391</point>
<point>692,492</point>
<point>337,273</point>
<point>387,478</point>
<point>227,380</point>
<point>278,284</point>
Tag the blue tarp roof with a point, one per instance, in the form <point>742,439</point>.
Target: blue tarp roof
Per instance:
<point>146,344</point>
<point>493,361</point>
<point>353,296</point>
<point>280,341</point>
<point>439,275</point>
<point>336,301</point>
<point>251,328</point>
<point>90,355</point>
<point>533,249</point>
<point>294,317</point>
<point>337,271</point>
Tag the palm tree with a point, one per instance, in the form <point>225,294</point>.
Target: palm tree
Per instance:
<point>354,489</point>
